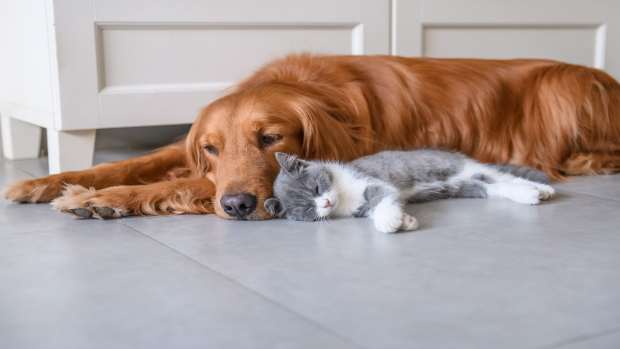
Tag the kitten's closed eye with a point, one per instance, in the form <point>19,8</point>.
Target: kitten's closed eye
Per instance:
<point>323,182</point>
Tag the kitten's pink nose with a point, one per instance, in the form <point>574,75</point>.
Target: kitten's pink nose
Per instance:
<point>327,203</point>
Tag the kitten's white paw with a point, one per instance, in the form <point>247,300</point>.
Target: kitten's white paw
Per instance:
<point>526,195</point>
<point>545,192</point>
<point>517,192</point>
<point>387,217</point>
<point>388,223</point>
<point>409,223</point>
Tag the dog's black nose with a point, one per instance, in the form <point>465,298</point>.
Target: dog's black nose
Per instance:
<point>238,205</point>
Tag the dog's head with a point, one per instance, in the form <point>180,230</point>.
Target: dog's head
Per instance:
<point>234,139</point>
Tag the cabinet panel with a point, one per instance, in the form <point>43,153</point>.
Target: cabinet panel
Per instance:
<point>162,63</point>
<point>139,55</point>
<point>575,31</point>
<point>577,44</point>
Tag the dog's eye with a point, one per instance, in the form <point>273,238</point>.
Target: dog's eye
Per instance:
<point>211,149</point>
<point>268,139</point>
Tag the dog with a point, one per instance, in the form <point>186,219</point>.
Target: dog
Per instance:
<point>560,118</point>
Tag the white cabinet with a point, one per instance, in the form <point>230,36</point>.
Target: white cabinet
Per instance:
<point>76,66</point>
<point>576,31</point>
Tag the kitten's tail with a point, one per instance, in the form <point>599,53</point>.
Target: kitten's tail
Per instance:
<point>524,172</point>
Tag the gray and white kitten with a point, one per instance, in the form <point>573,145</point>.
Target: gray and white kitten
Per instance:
<point>377,186</point>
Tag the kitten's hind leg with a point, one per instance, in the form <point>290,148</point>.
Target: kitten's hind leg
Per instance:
<point>471,189</point>
<point>545,191</point>
<point>502,184</point>
<point>409,223</point>
<point>456,188</point>
<point>521,193</point>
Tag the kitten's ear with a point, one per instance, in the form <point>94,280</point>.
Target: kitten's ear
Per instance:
<point>291,163</point>
<point>274,207</point>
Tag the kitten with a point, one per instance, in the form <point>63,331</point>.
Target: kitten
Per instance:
<point>377,186</point>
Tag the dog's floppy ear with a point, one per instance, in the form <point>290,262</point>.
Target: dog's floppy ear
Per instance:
<point>333,126</point>
<point>291,164</point>
<point>274,207</point>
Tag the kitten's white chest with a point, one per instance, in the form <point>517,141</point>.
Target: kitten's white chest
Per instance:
<point>350,188</point>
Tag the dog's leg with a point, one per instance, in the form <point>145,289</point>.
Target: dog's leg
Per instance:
<point>179,196</point>
<point>144,169</point>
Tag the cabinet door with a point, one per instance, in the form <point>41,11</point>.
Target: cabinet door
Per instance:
<point>145,62</point>
<point>576,31</point>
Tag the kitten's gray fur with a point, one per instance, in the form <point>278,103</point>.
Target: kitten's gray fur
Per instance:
<point>406,168</point>
<point>419,175</point>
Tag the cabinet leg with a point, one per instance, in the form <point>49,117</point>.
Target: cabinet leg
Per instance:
<point>20,140</point>
<point>70,150</point>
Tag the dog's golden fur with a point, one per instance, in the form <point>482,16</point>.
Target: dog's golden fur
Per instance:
<point>563,119</point>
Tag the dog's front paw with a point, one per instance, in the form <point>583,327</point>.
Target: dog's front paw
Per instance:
<point>89,203</point>
<point>34,190</point>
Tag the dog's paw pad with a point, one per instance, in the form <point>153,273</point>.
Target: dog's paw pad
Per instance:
<point>81,212</point>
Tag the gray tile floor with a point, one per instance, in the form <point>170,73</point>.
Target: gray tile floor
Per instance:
<point>479,274</point>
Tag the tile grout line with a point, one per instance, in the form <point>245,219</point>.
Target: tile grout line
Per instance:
<point>236,282</point>
<point>581,338</point>
<point>590,195</point>
<point>26,172</point>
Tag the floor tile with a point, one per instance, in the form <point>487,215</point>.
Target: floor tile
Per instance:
<point>111,287</point>
<point>605,340</point>
<point>480,273</point>
<point>602,186</point>
<point>9,174</point>
<point>33,167</point>
<point>15,217</point>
